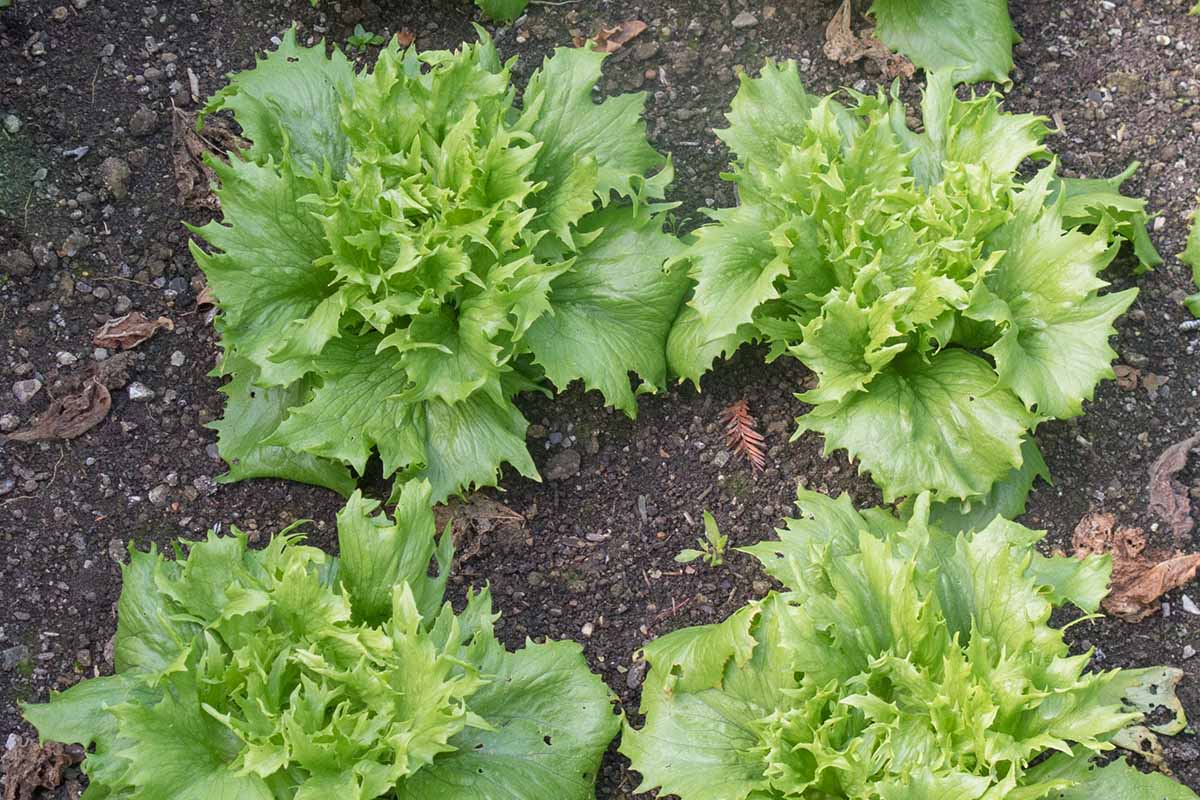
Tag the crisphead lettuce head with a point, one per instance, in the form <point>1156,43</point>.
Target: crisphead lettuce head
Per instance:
<point>404,249</point>
<point>900,663</point>
<point>945,304</point>
<point>283,673</point>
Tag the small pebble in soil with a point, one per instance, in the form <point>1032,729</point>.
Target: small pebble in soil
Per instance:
<point>16,263</point>
<point>745,20</point>
<point>143,122</point>
<point>25,390</point>
<point>636,674</point>
<point>139,391</point>
<point>178,358</point>
<point>7,486</point>
<point>564,465</point>
<point>114,174</point>
<point>12,124</point>
<point>9,423</point>
<point>1189,605</point>
<point>10,658</point>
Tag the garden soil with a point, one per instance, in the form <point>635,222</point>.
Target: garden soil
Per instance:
<point>92,97</point>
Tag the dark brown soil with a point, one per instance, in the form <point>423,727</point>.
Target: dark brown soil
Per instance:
<point>596,555</point>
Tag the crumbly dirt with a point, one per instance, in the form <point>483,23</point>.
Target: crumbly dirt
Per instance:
<point>1122,80</point>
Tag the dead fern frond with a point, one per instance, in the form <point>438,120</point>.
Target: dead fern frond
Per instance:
<point>742,436</point>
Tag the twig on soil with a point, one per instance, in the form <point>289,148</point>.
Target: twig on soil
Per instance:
<point>28,200</point>
<point>95,75</point>
<point>119,278</point>
<point>1190,325</point>
<point>62,454</point>
<point>674,609</point>
<point>551,3</point>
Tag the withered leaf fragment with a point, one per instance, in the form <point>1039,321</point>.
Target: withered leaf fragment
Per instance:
<point>1168,496</point>
<point>1139,578</point>
<point>30,766</point>
<point>844,46</point>
<point>610,40</point>
<point>473,519</point>
<point>194,178</point>
<point>71,416</point>
<point>130,330</point>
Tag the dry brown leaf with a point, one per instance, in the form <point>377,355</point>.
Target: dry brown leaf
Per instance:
<point>206,298</point>
<point>473,519</point>
<point>610,40</point>
<point>405,37</point>
<point>1139,578</point>
<point>194,179</point>
<point>129,331</point>
<point>72,416</point>
<point>844,46</point>
<point>30,766</point>
<point>1168,496</point>
<point>742,436</point>
<point>1127,376</point>
<point>1153,383</point>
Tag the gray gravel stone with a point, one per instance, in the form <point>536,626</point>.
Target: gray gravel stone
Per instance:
<point>745,20</point>
<point>564,465</point>
<point>139,392</point>
<point>16,263</point>
<point>10,658</point>
<point>44,255</point>
<point>9,423</point>
<point>26,390</point>
<point>143,122</point>
<point>114,174</point>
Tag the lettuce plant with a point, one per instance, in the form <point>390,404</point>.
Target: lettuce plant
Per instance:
<point>404,249</point>
<point>945,304</point>
<point>284,673</point>
<point>1191,257</point>
<point>901,663</point>
<point>971,38</point>
<point>502,10</point>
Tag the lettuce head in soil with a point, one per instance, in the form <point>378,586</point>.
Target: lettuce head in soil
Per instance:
<point>945,303</point>
<point>404,249</point>
<point>285,673</point>
<point>901,663</point>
